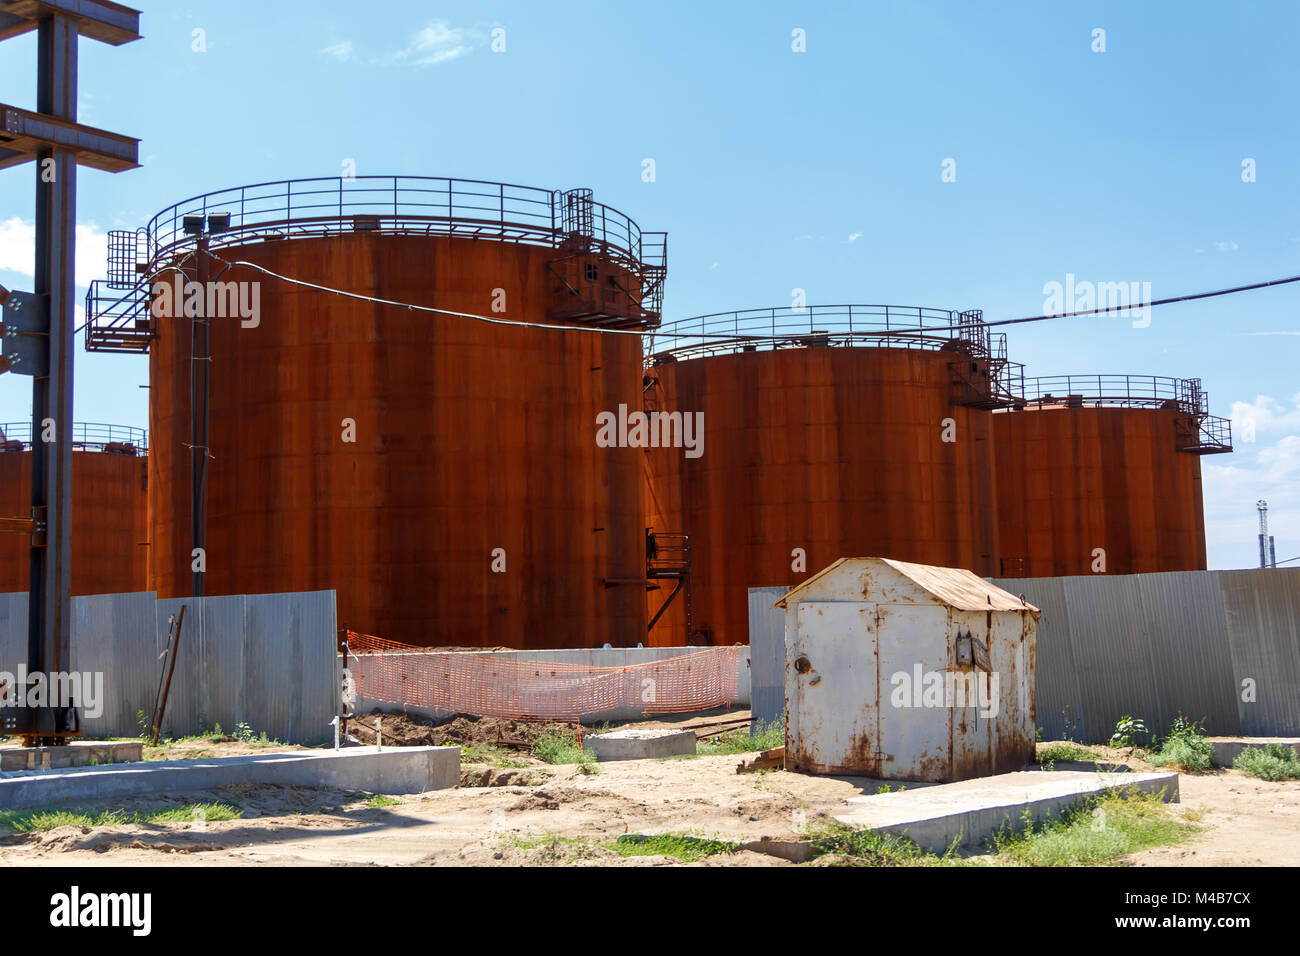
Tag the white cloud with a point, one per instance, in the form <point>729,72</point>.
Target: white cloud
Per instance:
<point>1267,468</point>
<point>341,51</point>
<point>854,236</point>
<point>438,42</point>
<point>1265,415</point>
<point>18,250</point>
<point>1228,246</point>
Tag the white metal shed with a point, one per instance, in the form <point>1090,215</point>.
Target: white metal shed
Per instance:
<point>907,671</point>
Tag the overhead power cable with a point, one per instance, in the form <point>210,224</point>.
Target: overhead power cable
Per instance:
<point>733,336</point>
<point>1154,302</point>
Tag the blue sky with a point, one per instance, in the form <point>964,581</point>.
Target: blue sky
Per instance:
<point>778,170</point>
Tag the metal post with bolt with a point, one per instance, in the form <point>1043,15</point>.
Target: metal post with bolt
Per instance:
<point>38,327</point>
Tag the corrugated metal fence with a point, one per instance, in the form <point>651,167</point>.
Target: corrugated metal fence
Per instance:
<point>267,660</point>
<point>1219,645</point>
<point>1223,646</point>
<point>766,655</point>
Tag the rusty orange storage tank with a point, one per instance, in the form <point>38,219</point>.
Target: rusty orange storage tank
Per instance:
<point>109,531</point>
<point>441,473</point>
<point>1102,474</point>
<point>827,431</point>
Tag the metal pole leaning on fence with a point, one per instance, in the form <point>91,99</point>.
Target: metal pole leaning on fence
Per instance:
<point>173,642</point>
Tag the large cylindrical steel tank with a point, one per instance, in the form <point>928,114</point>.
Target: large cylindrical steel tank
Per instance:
<point>442,474</point>
<point>828,432</point>
<point>109,529</point>
<point>1101,474</point>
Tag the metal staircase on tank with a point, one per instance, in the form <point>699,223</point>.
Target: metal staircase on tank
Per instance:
<point>1199,432</point>
<point>117,308</point>
<point>593,281</point>
<point>668,558</point>
<point>983,377</point>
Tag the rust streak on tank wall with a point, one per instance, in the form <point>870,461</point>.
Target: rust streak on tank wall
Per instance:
<point>836,451</point>
<point>469,437</point>
<point>109,553</point>
<point>1072,480</point>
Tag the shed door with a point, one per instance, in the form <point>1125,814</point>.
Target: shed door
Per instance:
<point>915,726</point>
<point>830,684</point>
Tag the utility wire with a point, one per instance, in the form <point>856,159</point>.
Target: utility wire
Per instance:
<point>656,333</point>
<point>1155,302</point>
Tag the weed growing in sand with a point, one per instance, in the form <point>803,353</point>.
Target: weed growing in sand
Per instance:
<point>1095,831</point>
<point>1185,748</point>
<point>1064,753</point>
<point>766,736</point>
<point>488,754</point>
<point>854,847</point>
<point>1269,762</point>
<point>554,848</point>
<point>679,846</point>
<point>560,745</point>
<point>30,821</point>
<point>546,839</point>
<point>380,800</point>
<point>1127,728</point>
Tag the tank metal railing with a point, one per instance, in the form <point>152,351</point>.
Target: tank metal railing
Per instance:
<point>86,436</point>
<point>405,205</point>
<point>402,204</point>
<point>1199,432</point>
<point>1120,390</point>
<point>899,326</point>
<point>1205,435</point>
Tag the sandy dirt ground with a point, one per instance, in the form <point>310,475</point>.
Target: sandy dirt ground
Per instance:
<point>532,813</point>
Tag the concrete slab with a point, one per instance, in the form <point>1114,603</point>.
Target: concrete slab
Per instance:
<point>640,744</point>
<point>75,753</point>
<point>1227,748</point>
<point>391,770</point>
<point>933,817</point>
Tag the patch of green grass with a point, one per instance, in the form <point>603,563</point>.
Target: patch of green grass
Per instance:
<point>489,754</point>
<point>30,821</point>
<point>767,736</point>
<point>1269,762</point>
<point>679,846</point>
<point>553,849</point>
<point>244,734</point>
<point>1094,832</point>
<point>545,840</point>
<point>379,800</point>
<point>1188,753</point>
<point>1065,753</point>
<point>855,847</point>
<point>1184,747</point>
<point>560,745</point>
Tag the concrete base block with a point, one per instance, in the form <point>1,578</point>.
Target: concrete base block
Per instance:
<point>1227,748</point>
<point>75,753</point>
<point>933,817</point>
<point>640,744</point>
<point>391,770</point>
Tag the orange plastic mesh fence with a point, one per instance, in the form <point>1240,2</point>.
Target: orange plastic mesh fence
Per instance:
<point>491,685</point>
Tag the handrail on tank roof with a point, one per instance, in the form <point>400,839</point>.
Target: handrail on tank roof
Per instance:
<point>429,205</point>
<point>86,436</point>
<point>904,326</point>
<point>1198,431</point>
<point>1117,389</point>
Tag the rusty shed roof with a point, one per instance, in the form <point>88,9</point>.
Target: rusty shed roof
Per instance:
<point>958,588</point>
